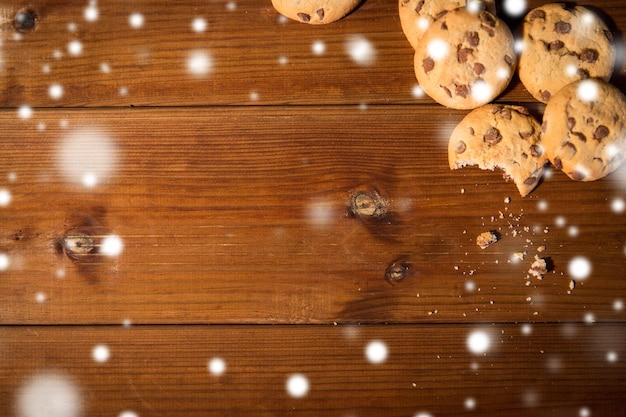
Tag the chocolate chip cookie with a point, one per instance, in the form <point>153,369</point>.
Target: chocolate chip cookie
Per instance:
<point>500,136</point>
<point>584,129</point>
<point>417,15</point>
<point>315,12</point>
<point>465,59</point>
<point>562,44</point>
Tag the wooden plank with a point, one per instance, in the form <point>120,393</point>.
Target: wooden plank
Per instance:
<point>242,215</point>
<point>528,370</point>
<point>246,55</point>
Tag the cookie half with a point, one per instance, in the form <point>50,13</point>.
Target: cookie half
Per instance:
<point>500,136</point>
<point>465,59</point>
<point>315,12</point>
<point>562,44</point>
<point>584,129</point>
<point>417,15</point>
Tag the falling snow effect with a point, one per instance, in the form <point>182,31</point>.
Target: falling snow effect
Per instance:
<point>55,91</point>
<point>199,63</point>
<point>101,353</point>
<point>579,268</point>
<point>25,112</point>
<point>49,394</point>
<point>478,342</point>
<point>4,262</point>
<point>297,386</point>
<point>514,8</point>
<point>199,25</point>
<point>376,352</point>
<point>87,156</point>
<point>136,20</point>
<point>91,12</point>
<point>217,366</point>
<point>360,50</point>
<point>5,197</point>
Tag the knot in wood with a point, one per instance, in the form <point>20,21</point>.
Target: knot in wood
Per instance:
<point>396,272</point>
<point>79,244</point>
<point>369,204</point>
<point>25,21</point>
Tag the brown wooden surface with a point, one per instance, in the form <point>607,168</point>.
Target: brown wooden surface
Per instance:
<point>233,194</point>
<point>153,370</point>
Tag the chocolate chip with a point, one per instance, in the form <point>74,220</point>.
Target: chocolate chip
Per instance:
<point>544,126</point>
<point>447,90</point>
<point>440,14</point>
<point>487,19</point>
<point>463,53</point>
<point>428,64</point>
<point>522,110</point>
<point>580,136</point>
<point>530,180</point>
<point>577,175</point>
<point>471,130</point>
<point>601,132</point>
<point>508,59</point>
<point>589,55</point>
<point>571,122</point>
<point>472,38</point>
<point>461,90</point>
<point>537,14</point>
<point>545,95</point>
<point>320,13</point>
<point>536,150</point>
<point>419,5</point>
<point>583,74</point>
<point>505,112</point>
<point>562,27</point>
<point>489,30</point>
<point>557,163</point>
<point>478,68</point>
<point>304,17</point>
<point>492,136</point>
<point>525,135</point>
<point>569,149</point>
<point>555,45</point>
<point>460,147</point>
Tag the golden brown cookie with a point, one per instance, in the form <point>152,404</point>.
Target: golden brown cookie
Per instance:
<point>562,44</point>
<point>417,15</point>
<point>500,136</point>
<point>315,12</point>
<point>584,129</point>
<point>465,59</point>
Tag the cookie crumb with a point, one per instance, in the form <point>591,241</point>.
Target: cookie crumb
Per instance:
<point>507,200</point>
<point>486,239</point>
<point>518,256</point>
<point>572,285</point>
<point>538,268</point>
<point>541,248</point>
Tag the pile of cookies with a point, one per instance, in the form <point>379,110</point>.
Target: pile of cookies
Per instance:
<point>466,56</point>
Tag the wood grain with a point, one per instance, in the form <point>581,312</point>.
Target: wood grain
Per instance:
<point>559,370</point>
<point>259,172</point>
<point>246,55</point>
<point>234,215</point>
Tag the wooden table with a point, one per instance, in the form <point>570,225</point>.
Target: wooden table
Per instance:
<point>208,210</point>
